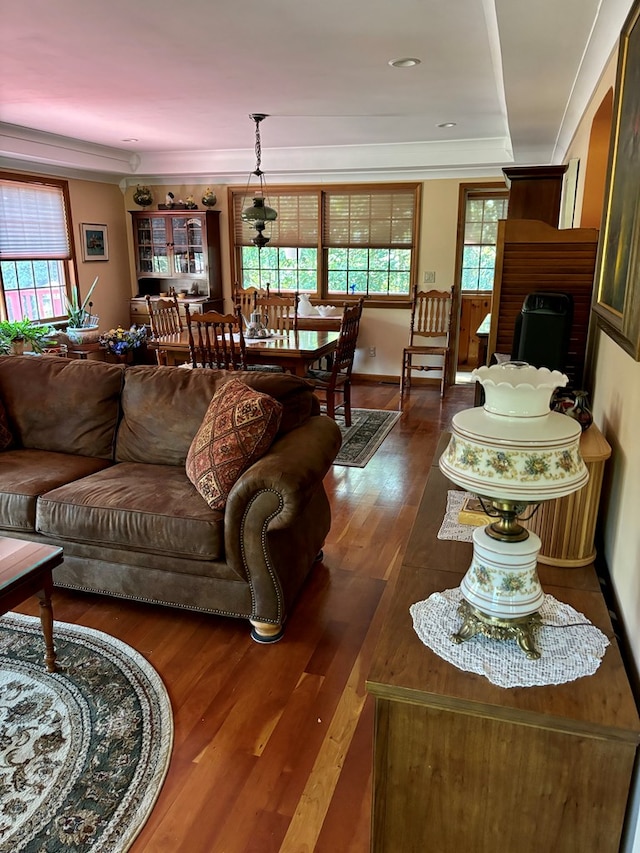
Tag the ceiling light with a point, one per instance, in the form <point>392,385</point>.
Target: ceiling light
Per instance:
<point>405,62</point>
<point>259,213</point>
<point>131,139</point>
<point>447,124</point>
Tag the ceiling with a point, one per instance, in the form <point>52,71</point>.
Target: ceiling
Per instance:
<point>132,90</point>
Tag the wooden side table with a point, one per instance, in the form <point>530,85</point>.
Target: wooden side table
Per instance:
<point>567,526</point>
<point>463,765</point>
<point>87,351</point>
<point>25,570</point>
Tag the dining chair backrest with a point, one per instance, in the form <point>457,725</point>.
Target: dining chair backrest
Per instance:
<point>245,299</point>
<point>216,340</point>
<point>430,314</point>
<point>280,313</point>
<point>346,348</point>
<point>165,320</point>
<point>164,316</point>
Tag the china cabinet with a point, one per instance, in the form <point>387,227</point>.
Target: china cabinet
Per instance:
<point>178,250</point>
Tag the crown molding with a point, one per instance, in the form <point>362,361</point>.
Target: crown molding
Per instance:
<point>22,148</point>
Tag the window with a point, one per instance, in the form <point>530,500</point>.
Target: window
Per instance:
<point>333,241</point>
<point>482,210</point>
<point>34,248</point>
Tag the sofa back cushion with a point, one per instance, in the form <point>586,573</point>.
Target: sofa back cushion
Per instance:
<point>6,436</point>
<point>62,405</point>
<point>163,407</point>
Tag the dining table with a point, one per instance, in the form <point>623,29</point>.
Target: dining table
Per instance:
<point>295,351</point>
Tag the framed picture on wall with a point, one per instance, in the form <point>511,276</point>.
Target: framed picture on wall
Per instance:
<point>95,244</point>
<point>618,276</point>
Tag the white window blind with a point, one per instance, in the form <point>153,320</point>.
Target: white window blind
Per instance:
<point>374,218</point>
<point>33,223</point>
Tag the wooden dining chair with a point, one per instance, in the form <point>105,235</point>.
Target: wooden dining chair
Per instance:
<point>333,386</point>
<point>216,340</point>
<point>165,320</point>
<point>245,299</point>
<point>429,336</point>
<point>280,312</point>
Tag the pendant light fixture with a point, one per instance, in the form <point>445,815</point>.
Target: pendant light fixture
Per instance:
<point>259,213</point>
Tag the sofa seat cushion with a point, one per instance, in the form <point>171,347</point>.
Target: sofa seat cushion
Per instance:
<point>238,428</point>
<point>25,474</point>
<point>148,508</point>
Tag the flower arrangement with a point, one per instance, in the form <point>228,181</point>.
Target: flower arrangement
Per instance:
<point>119,341</point>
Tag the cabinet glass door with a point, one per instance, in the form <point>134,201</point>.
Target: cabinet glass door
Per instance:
<point>159,245</point>
<point>188,245</point>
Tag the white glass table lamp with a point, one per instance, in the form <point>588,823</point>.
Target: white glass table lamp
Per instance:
<point>512,452</point>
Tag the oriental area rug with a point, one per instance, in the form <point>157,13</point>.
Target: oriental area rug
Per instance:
<point>369,428</point>
<point>83,751</point>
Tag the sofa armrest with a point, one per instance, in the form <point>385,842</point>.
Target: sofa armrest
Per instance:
<point>277,515</point>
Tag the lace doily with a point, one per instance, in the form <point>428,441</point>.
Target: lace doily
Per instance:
<point>450,528</point>
<point>571,647</point>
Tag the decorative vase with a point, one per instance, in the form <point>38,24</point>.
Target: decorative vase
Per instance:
<point>142,196</point>
<point>209,198</point>
<point>305,308</point>
<point>17,347</point>
<point>575,404</point>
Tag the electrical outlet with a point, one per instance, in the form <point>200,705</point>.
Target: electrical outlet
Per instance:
<point>372,352</point>
<point>430,277</point>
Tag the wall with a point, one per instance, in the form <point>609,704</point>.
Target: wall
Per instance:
<point>616,409</point>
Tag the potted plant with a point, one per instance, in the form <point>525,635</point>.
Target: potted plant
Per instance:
<point>14,334</point>
<point>83,325</point>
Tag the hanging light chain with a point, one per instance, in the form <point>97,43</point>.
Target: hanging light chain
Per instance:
<point>258,117</point>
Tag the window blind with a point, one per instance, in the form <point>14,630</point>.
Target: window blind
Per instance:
<point>33,222</point>
<point>297,224</point>
<point>373,218</point>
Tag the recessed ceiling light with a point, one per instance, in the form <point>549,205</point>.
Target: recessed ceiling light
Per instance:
<point>447,124</point>
<point>131,139</point>
<point>405,62</point>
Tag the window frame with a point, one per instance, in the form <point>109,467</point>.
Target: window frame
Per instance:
<point>481,190</point>
<point>321,294</point>
<point>68,265</point>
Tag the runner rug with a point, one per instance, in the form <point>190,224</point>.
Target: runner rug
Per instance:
<point>83,751</point>
<point>369,428</point>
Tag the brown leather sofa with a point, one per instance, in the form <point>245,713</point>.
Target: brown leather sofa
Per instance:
<point>97,466</point>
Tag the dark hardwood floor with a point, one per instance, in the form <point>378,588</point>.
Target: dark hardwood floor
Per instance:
<point>273,745</point>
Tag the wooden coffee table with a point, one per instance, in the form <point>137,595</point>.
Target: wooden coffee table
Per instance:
<point>25,570</point>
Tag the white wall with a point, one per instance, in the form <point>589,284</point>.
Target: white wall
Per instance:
<point>616,410</point>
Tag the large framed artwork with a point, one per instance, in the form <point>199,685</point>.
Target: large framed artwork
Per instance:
<point>95,245</point>
<point>617,305</point>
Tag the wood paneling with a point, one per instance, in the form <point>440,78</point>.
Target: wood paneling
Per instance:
<point>533,257</point>
<point>473,310</point>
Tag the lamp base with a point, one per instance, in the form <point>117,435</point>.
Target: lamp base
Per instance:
<point>521,628</point>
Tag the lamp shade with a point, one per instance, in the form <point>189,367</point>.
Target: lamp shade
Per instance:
<point>259,212</point>
<point>514,448</point>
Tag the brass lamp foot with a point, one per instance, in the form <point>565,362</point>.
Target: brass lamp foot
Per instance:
<point>521,628</point>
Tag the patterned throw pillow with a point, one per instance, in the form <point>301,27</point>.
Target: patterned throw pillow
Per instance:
<point>6,439</point>
<point>238,428</point>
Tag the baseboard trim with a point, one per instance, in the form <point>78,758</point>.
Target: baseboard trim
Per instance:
<point>393,380</point>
